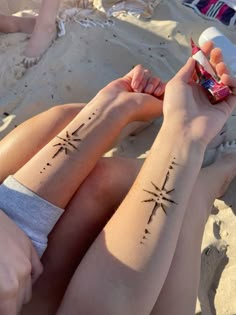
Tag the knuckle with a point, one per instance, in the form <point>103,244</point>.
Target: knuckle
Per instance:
<point>10,286</point>
<point>26,268</point>
<point>154,80</point>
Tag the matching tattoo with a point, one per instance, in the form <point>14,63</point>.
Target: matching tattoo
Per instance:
<point>160,197</point>
<point>67,143</point>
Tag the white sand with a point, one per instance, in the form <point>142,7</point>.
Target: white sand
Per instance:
<point>79,64</point>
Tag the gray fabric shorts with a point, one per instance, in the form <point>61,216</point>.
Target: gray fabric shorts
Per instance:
<point>34,215</point>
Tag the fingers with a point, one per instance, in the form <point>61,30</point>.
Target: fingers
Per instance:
<point>223,72</point>
<point>136,75</point>
<point>216,60</point>
<point>140,77</point>
<point>229,80</point>
<point>215,54</point>
<point>37,267</point>
<point>207,47</point>
<point>160,90</point>
<point>142,81</point>
<point>216,57</point>
<point>151,85</point>
<point>146,76</point>
<point>221,69</point>
<point>186,72</point>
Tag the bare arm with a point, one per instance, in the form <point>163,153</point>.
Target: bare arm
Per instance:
<point>131,258</point>
<point>58,169</point>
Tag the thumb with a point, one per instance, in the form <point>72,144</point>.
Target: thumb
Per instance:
<point>186,72</point>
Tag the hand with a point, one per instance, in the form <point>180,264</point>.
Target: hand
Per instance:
<point>19,267</point>
<point>186,106</point>
<point>139,93</point>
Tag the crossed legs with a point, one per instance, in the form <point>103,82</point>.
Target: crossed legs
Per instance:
<point>93,205</point>
<point>179,292</point>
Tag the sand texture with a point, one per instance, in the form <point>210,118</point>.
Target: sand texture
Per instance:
<point>79,64</point>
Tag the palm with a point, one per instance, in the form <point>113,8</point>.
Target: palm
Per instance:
<point>187,105</point>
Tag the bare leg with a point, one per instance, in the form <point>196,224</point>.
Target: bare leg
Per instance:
<point>84,218</point>
<point>14,24</point>
<point>178,296</point>
<point>32,135</point>
<point>45,29</point>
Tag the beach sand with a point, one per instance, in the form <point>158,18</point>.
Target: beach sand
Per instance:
<point>79,64</point>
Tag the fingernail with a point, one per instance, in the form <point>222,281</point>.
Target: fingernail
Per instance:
<point>140,89</point>
<point>149,87</point>
<point>158,90</point>
<point>135,84</point>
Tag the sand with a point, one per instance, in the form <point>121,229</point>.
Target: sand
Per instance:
<point>79,64</point>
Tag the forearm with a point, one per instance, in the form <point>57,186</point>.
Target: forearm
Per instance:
<point>32,135</point>
<point>58,169</point>
<point>139,241</point>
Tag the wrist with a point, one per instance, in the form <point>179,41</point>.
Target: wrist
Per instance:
<point>181,138</point>
<point>114,106</point>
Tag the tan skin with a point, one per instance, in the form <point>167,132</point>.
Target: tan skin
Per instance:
<point>209,196</point>
<point>43,30</point>
<point>44,133</point>
<point>135,170</point>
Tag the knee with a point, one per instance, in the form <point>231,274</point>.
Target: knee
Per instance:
<point>66,111</point>
<point>111,179</point>
<point>100,182</point>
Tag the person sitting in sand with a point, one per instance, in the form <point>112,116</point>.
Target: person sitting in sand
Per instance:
<point>43,29</point>
<point>98,260</point>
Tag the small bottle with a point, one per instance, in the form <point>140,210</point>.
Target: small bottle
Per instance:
<point>221,41</point>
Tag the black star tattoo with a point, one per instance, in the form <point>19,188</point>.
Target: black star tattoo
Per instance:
<point>159,197</point>
<point>67,142</point>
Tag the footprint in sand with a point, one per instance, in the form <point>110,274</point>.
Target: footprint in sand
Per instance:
<point>214,260</point>
<point>19,71</point>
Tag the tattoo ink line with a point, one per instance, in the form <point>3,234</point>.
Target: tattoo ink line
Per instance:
<point>67,142</point>
<point>159,197</point>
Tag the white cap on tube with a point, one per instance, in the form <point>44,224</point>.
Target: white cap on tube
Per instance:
<point>221,41</point>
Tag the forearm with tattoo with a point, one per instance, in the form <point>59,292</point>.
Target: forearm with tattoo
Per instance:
<point>68,142</point>
<point>64,163</point>
<point>160,198</point>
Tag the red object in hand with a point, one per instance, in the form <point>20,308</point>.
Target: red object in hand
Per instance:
<point>216,91</point>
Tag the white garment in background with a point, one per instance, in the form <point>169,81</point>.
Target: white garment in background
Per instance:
<point>231,3</point>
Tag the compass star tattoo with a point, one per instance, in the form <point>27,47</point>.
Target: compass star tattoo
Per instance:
<point>159,196</point>
<point>67,142</point>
